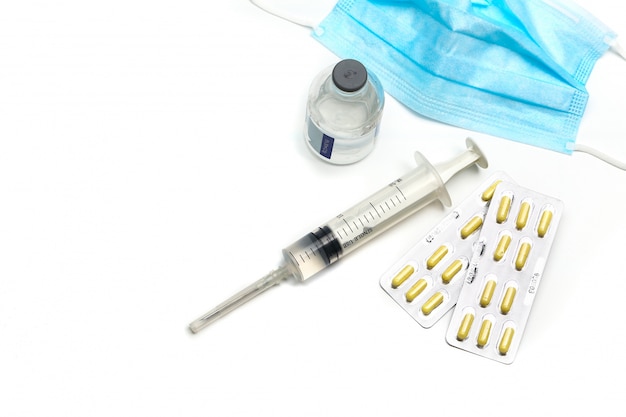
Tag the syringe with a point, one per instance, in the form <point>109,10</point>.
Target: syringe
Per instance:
<point>356,226</point>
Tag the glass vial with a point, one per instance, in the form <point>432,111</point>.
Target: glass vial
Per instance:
<point>343,113</point>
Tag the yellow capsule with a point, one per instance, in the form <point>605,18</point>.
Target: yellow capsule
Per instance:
<point>488,290</point>
<point>416,289</point>
<point>464,328</point>
<point>544,223</point>
<point>503,209</point>
<point>402,276</point>
<point>483,333</point>
<point>507,300</point>
<point>432,303</point>
<point>471,226</point>
<point>522,256</point>
<point>436,257</point>
<point>451,271</point>
<point>503,246</point>
<point>505,342</point>
<point>522,216</point>
<point>488,193</point>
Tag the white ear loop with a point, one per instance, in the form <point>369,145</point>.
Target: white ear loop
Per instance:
<point>298,20</point>
<point>617,48</point>
<point>600,155</point>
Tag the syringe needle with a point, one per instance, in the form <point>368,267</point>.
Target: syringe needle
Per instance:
<point>243,296</point>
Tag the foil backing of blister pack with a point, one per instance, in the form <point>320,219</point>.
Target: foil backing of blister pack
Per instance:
<point>504,273</point>
<point>427,280</point>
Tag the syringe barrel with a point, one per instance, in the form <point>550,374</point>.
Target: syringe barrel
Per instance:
<point>359,224</point>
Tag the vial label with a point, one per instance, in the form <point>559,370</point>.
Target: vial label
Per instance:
<point>319,141</point>
<point>327,146</point>
<point>338,149</point>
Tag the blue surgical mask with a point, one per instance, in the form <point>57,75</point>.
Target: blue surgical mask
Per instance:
<point>510,68</point>
<point>473,66</point>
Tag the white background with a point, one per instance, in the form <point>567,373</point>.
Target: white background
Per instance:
<point>152,164</point>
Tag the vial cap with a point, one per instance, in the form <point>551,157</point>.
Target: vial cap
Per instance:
<point>349,75</point>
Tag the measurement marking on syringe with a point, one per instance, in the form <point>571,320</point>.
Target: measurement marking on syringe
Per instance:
<point>362,222</point>
<point>294,258</point>
<point>308,254</point>
<point>387,204</point>
<point>348,224</point>
<point>375,211</point>
<point>403,196</point>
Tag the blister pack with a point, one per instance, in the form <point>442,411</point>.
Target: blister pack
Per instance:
<point>427,280</point>
<point>504,272</point>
